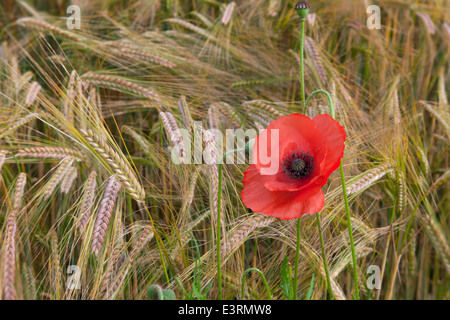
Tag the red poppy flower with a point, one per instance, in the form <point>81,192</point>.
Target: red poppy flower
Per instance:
<point>309,150</point>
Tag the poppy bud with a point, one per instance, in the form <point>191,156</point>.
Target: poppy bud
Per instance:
<point>155,292</point>
<point>302,9</point>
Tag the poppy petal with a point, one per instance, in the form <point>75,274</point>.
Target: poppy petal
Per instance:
<point>280,204</point>
<point>334,135</point>
<point>279,183</point>
<point>295,131</point>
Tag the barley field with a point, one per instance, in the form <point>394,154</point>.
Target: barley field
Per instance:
<point>96,95</point>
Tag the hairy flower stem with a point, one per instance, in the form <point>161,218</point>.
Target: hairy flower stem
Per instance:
<point>297,256</point>
<point>263,278</point>
<point>330,101</point>
<point>350,232</point>
<point>344,192</point>
<point>302,73</point>
<point>302,89</point>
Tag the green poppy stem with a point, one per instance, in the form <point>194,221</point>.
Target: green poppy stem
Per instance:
<point>297,256</point>
<point>344,191</point>
<point>330,101</point>
<point>324,257</point>
<point>302,73</point>
<point>263,278</point>
<point>350,232</point>
<point>302,89</point>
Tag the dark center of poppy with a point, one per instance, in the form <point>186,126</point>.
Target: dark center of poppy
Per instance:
<point>298,164</point>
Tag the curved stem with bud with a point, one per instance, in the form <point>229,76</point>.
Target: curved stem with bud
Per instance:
<point>344,192</point>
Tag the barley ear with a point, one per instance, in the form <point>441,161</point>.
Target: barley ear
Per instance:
<point>104,214</point>
<point>9,252</point>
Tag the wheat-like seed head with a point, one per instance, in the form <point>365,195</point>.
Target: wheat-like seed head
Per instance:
<point>60,173</point>
<point>9,259</point>
<point>249,226</point>
<point>69,99</point>
<point>144,144</point>
<point>231,114</point>
<point>24,120</point>
<point>314,53</point>
<point>55,264</point>
<point>9,255</point>
<point>185,113</point>
<point>429,25</point>
<point>46,27</point>
<point>227,14</point>
<point>2,158</point>
<point>145,56</point>
<point>118,83</point>
<point>259,118</point>
<point>104,214</point>
<point>105,289</point>
<point>145,236</point>
<point>443,119</point>
<point>213,117</point>
<point>173,131</point>
<point>88,200</point>
<point>190,26</point>
<point>32,93</point>
<point>20,187</point>
<point>210,148</point>
<point>439,181</point>
<point>50,153</point>
<point>412,244</point>
<point>247,83</point>
<point>369,178</point>
<point>117,163</point>
<point>442,91</point>
<point>446,26</point>
<point>337,291</point>
<point>264,106</point>
<point>69,179</point>
<point>31,291</point>
<point>135,52</point>
<point>438,239</point>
